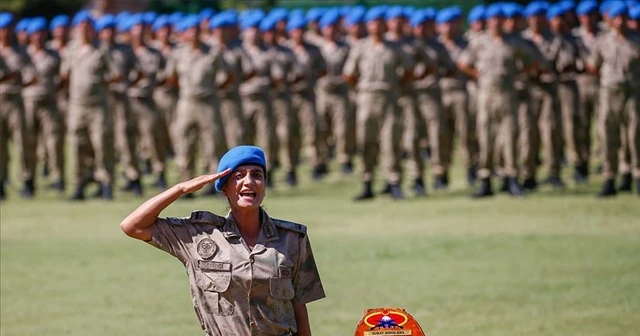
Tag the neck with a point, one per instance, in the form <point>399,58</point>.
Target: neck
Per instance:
<point>195,44</point>
<point>376,38</point>
<point>248,222</point>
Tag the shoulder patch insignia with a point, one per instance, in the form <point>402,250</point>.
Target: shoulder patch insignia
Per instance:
<point>206,217</point>
<point>176,220</point>
<point>290,226</point>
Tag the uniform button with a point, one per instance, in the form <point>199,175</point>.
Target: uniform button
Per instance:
<point>251,260</point>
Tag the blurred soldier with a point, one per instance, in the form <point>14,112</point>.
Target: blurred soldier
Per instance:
<point>409,115</point>
<point>586,36</point>
<point>373,65</point>
<point>22,37</point>
<point>59,29</point>
<point>634,19</point>
<point>456,117</point>
<point>205,16</point>
<point>287,122</point>
<point>313,35</point>
<point>41,108</point>
<point>493,61</point>
<point>354,26</point>
<point>333,94</point>
<point>166,93</point>
<point>310,66</point>
<point>617,57</point>
<point>240,66</point>
<point>545,108</point>
<point>15,69</point>
<point>145,77</point>
<point>126,129</point>
<point>88,71</point>
<point>195,67</point>
<point>565,49</point>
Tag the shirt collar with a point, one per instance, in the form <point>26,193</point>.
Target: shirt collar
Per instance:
<point>268,230</point>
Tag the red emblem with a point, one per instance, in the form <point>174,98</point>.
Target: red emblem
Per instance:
<point>388,322</point>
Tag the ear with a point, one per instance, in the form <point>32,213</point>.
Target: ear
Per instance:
<point>224,190</point>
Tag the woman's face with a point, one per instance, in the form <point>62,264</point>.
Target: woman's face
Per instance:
<point>245,187</point>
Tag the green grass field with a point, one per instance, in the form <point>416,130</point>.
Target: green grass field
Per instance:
<point>555,263</point>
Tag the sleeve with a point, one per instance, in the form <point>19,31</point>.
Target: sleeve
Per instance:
<point>307,284</point>
<point>65,64</point>
<point>468,56</point>
<point>320,65</point>
<point>171,67</point>
<point>595,59</point>
<point>245,63</point>
<point>406,60</point>
<point>173,235</point>
<point>28,69</point>
<point>351,65</point>
<point>276,68</point>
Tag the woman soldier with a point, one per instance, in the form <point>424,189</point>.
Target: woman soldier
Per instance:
<point>249,274</point>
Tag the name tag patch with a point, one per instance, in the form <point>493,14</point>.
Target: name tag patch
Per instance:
<point>218,266</point>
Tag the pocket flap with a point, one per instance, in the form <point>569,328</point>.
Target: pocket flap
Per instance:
<point>281,288</point>
<point>216,278</point>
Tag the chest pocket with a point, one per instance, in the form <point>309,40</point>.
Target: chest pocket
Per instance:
<point>213,279</point>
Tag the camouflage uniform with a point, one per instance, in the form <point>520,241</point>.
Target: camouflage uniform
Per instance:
<point>41,110</point>
<point>197,118</point>
<point>166,96</point>
<point>237,290</point>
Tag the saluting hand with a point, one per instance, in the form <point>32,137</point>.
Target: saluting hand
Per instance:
<point>197,183</point>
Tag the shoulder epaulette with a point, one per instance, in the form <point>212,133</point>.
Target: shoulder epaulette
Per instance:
<point>290,226</point>
<point>206,217</point>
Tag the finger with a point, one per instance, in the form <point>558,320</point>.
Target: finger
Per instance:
<point>222,174</point>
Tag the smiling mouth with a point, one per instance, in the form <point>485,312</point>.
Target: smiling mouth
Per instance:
<point>249,194</point>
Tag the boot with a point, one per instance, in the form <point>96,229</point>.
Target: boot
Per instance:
<point>316,173</point>
<point>98,192</point>
<point>386,190</point>
<point>396,192</point>
<point>148,167</point>
<point>426,154</point>
<point>129,186</point>
<point>555,182</point>
<point>292,178</point>
<point>28,190</point>
<point>347,168</point>
<point>514,187</point>
<point>78,195</point>
<point>472,175</point>
<point>578,175</point>
<point>107,192</point>
<point>625,184</point>
<point>485,189</point>
<point>161,182</point>
<point>58,185</point>
<point>506,183</point>
<point>366,194</point>
<point>439,183</point>
<point>137,188</point>
<point>530,184</point>
<point>45,170</point>
<point>608,189</point>
<point>418,187</point>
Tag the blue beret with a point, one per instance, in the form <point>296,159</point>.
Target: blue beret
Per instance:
<point>36,24</point>
<point>429,13</point>
<point>587,7</point>
<point>149,17</point>
<point>634,13</point>
<point>250,21</point>
<point>22,25</point>
<point>329,18</point>
<point>494,10</point>
<point>160,22</point>
<point>374,13</point>
<point>354,18</point>
<point>59,21</point>
<point>476,13</point>
<point>555,11</point>
<point>297,22</point>
<point>512,10</point>
<point>268,24</point>
<point>408,11</point>
<point>617,9</point>
<point>106,21</point>
<point>444,16</point>
<point>568,5</point>
<point>604,6</point>
<point>417,19</point>
<point>5,19</point>
<point>125,23</point>
<point>314,14</point>
<point>190,21</point>
<point>221,20</point>
<point>279,14</point>
<point>535,8</point>
<point>394,12</point>
<point>206,14</point>
<point>175,18</point>
<point>80,17</point>
<point>237,157</point>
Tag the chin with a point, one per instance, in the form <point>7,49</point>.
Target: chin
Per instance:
<point>246,205</point>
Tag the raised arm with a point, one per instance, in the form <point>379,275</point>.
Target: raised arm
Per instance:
<point>139,223</point>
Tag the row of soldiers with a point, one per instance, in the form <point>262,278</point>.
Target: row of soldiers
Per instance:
<point>380,83</point>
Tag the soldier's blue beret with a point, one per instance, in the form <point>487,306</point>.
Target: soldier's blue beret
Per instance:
<point>476,13</point>
<point>59,21</point>
<point>175,18</point>
<point>206,14</point>
<point>329,18</point>
<point>190,21</point>
<point>354,18</point>
<point>22,24</point>
<point>512,10</point>
<point>82,16</point>
<point>36,24</point>
<point>604,6</point>
<point>445,15</point>
<point>587,7</point>
<point>417,19</point>
<point>297,22</point>
<point>617,9</point>
<point>634,13</point>
<point>556,11</point>
<point>267,24</point>
<point>429,13</point>
<point>106,21</point>
<point>278,14</point>
<point>535,8</point>
<point>374,13</point>
<point>237,157</point>
<point>408,11</point>
<point>568,5</point>
<point>494,10</point>
<point>136,19</point>
<point>160,22</point>
<point>394,12</point>
<point>221,20</point>
<point>5,20</point>
<point>251,21</point>
<point>149,17</point>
